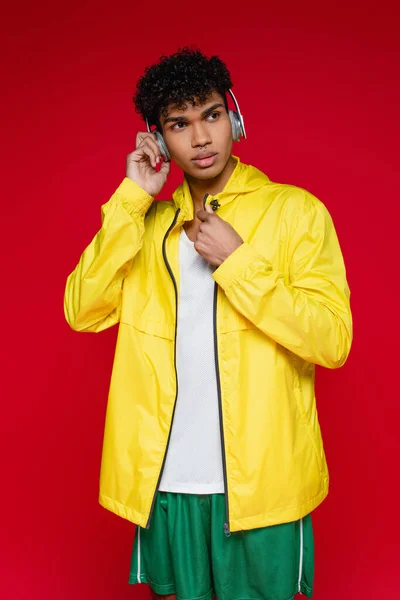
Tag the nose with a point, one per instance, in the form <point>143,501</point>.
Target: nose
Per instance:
<point>200,135</point>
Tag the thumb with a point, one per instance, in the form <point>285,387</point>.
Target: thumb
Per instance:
<point>165,167</point>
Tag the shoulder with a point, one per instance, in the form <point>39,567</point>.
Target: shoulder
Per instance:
<point>290,198</point>
<point>296,202</point>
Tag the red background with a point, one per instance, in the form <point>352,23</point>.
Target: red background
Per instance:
<point>320,92</point>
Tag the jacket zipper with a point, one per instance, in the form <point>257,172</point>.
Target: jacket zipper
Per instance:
<point>226,525</point>
<point>221,424</point>
<point>215,205</point>
<point>176,373</point>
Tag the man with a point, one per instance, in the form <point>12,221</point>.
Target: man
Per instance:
<point>226,298</point>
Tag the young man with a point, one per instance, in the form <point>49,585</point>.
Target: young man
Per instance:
<point>226,298</point>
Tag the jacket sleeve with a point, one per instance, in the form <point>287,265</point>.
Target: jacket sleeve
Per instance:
<point>307,309</point>
<point>92,299</point>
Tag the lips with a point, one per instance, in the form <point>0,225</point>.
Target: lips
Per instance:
<point>205,160</point>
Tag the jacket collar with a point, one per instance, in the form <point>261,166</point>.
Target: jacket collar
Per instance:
<point>244,179</point>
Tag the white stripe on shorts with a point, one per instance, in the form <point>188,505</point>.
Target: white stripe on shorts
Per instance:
<point>138,565</point>
<point>301,556</point>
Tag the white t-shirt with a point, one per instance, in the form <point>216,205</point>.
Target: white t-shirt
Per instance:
<point>194,458</point>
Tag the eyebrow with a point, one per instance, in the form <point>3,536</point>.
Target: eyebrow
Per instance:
<point>204,113</point>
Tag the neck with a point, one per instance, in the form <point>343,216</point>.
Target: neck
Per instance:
<point>200,187</point>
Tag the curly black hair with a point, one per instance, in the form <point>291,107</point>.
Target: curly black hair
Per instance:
<point>186,76</point>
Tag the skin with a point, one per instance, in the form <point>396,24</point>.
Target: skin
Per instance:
<point>189,133</point>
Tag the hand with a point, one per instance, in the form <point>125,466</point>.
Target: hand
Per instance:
<point>216,239</point>
<point>141,164</point>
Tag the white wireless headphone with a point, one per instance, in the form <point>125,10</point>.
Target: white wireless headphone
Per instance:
<point>237,123</point>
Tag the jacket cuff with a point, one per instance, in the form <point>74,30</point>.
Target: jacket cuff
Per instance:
<point>235,266</point>
<point>133,198</point>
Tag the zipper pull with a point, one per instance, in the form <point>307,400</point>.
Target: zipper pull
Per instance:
<point>214,204</point>
<point>226,530</point>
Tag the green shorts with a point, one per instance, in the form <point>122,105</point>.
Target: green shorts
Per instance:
<point>186,552</point>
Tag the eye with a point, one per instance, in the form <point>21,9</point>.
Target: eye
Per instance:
<point>179,125</point>
<point>213,116</point>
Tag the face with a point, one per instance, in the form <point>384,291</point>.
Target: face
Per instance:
<point>199,137</point>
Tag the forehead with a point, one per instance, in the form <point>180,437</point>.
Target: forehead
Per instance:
<point>187,107</point>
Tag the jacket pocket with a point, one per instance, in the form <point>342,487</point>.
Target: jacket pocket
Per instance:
<point>304,415</point>
<point>306,423</point>
<point>145,323</point>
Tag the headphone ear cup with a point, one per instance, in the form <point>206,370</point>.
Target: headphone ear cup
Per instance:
<point>235,122</point>
<point>163,147</point>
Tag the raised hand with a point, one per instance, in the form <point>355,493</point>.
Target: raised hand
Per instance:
<point>141,164</point>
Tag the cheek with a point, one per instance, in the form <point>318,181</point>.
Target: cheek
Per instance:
<point>177,145</point>
<point>225,132</point>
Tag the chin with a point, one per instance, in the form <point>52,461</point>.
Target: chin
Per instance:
<point>209,173</point>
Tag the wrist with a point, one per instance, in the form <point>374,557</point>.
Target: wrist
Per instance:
<point>232,250</point>
<point>134,198</point>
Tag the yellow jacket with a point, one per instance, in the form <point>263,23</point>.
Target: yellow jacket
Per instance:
<point>282,305</point>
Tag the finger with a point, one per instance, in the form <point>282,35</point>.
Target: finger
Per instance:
<point>200,237</point>
<point>209,209</point>
<point>143,135</point>
<point>198,246</point>
<point>165,167</point>
<point>151,143</point>
<point>203,215</point>
<point>145,150</point>
<point>204,227</point>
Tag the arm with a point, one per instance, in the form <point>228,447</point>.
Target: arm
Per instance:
<point>93,291</point>
<point>93,294</point>
<point>307,309</point>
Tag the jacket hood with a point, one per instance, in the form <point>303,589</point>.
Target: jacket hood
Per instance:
<point>243,180</point>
